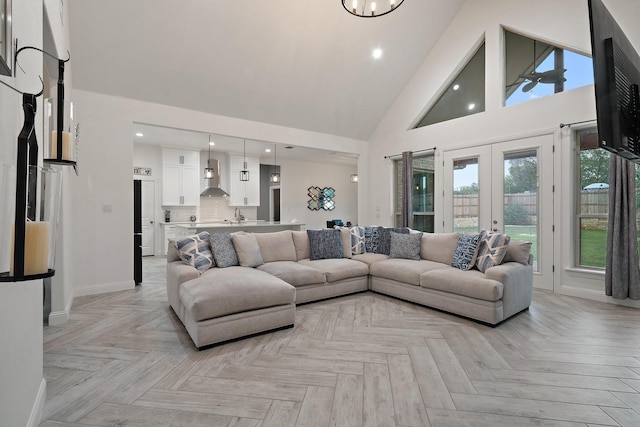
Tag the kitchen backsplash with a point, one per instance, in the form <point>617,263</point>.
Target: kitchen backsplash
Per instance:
<point>211,209</point>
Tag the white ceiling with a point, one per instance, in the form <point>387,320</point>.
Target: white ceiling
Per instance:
<point>296,63</point>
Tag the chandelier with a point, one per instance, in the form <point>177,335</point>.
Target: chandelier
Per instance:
<point>369,9</point>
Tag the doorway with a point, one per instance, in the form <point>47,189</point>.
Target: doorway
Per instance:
<point>508,188</point>
<point>274,203</point>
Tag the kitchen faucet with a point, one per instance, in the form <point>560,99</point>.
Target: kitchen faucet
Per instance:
<point>236,214</point>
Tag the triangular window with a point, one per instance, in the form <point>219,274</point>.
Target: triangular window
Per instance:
<point>535,69</point>
<point>464,95</point>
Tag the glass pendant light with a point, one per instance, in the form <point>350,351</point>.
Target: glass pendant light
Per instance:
<point>244,173</point>
<point>209,171</point>
<point>275,176</point>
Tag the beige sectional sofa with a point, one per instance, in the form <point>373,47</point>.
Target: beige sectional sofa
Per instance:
<point>222,304</point>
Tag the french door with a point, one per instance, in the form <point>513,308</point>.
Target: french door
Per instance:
<point>505,187</point>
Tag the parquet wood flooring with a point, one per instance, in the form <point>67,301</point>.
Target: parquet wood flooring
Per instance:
<point>124,359</point>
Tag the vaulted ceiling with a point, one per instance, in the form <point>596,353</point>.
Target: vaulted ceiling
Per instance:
<point>295,63</point>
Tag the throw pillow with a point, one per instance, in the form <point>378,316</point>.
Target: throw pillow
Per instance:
<point>372,237</point>
<point>357,240</point>
<point>405,245</point>
<point>518,251</point>
<point>464,256</point>
<point>324,244</point>
<point>492,250</point>
<point>385,240</point>
<point>247,249</point>
<point>223,251</point>
<point>195,251</point>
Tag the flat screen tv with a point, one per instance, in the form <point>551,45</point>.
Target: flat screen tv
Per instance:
<point>616,67</point>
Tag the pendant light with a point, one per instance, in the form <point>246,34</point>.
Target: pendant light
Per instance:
<point>275,176</point>
<point>209,171</point>
<point>244,173</point>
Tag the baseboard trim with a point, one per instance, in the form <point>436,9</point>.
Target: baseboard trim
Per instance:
<point>104,288</point>
<point>596,296</point>
<point>59,318</point>
<point>38,405</point>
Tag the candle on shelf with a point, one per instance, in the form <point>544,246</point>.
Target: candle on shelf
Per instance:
<point>67,145</point>
<point>36,248</point>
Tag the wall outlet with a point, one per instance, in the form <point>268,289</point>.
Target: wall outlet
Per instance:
<point>107,209</point>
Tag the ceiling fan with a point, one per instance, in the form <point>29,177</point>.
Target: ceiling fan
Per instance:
<point>551,76</point>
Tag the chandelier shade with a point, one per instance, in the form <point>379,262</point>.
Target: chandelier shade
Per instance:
<point>370,9</point>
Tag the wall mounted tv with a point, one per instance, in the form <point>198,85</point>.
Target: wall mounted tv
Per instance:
<point>616,67</point>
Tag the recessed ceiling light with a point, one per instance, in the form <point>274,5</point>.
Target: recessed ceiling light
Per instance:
<point>212,143</point>
<point>377,53</point>
<point>268,150</point>
<point>472,106</point>
<point>139,134</point>
<point>456,86</point>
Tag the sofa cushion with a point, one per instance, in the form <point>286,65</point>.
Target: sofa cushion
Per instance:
<point>247,249</point>
<point>518,251</point>
<point>464,257</point>
<point>357,240</point>
<point>404,270</point>
<point>338,268</point>
<point>277,246</point>
<point>223,250</point>
<point>438,247</point>
<point>195,251</point>
<point>472,283</point>
<point>294,273</point>
<point>370,258</point>
<point>301,242</point>
<point>492,250</point>
<point>325,244</point>
<point>223,291</point>
<point>385,240</point>
<point>405,245</point>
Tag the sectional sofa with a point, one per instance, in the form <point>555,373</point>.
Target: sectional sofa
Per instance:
<point>251,282</point>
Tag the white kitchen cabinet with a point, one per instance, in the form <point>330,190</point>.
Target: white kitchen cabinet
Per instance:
<point>169,233</point>
<point>244,193</point>
<point>180,177</point>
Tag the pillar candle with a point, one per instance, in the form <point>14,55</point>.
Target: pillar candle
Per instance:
<point>67,145</point>
<point>36,248</point>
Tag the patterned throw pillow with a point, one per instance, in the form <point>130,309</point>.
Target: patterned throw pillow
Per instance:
<point>385,240</point>
<point>405,245</point>
<point>223,250</point>
<point>324,244</point>
<point>464,256</point>
<point>492,250</point>
<point>195,251</point>
<point>372,238</point>
<point>357,240</point>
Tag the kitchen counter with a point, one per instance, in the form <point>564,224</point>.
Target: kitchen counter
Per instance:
<point>185,229</point>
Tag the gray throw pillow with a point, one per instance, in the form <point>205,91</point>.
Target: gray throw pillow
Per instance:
<point>518,251</point>
<point>372,238</point>
<point>223,250</point>
<point>385,239</point>
<point>324,244</point>
<point>464,257</point>
<point>247,249</point>
<point>195,251</point>
<point>404,245</point>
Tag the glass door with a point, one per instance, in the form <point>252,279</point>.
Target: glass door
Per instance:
<point>506,188</point>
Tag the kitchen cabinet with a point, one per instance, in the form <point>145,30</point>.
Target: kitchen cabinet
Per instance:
<point>169,233</point>
<point>244,193</point>
<point>180,177</point>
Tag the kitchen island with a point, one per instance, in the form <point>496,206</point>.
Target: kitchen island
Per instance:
<point>251,226</point>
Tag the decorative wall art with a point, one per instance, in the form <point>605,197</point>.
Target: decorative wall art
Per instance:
<point>321,198</point>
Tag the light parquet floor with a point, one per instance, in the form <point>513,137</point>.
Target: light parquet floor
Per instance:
<point>124,359</point>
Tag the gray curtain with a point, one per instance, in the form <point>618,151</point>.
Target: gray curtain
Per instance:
<point>622,276</point>
<point>407,189</point>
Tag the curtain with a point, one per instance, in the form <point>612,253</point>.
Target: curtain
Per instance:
<point>622,275</point>
<point>407,189</point>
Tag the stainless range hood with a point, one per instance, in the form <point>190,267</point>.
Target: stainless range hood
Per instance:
<point>214,189</point>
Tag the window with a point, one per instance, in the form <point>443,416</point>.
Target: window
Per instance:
<point>422,188</point>
<point>535,69</point>
<point>592,201</point>
<point>463,97</point>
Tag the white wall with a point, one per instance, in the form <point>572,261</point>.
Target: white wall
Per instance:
<point>297,177</point>
<point>102,240</point>
<point>22,386</point>
<point>565,24</point>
